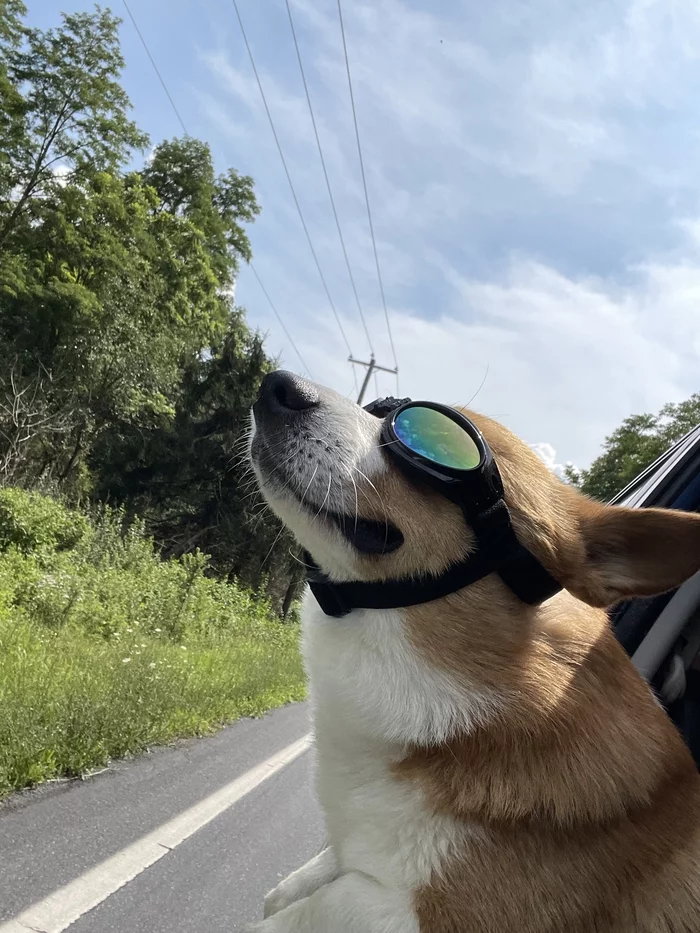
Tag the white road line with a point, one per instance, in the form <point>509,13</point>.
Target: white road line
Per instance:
<point>57,911</point>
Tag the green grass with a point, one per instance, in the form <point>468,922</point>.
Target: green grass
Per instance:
<point>105,650</point>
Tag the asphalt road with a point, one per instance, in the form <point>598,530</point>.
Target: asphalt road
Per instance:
<point>74,839</point>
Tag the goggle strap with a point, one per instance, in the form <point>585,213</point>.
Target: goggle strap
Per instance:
<point>521,572</point>
<point>516,566</point>
<point>527,578</point>
<point>493,529</point>
<point>338,599</point>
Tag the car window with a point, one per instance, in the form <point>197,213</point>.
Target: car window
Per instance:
<point>673,481</point>
<point>649,488</point>
<point>662,634</point>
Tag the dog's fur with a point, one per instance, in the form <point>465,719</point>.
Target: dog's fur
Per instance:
<point>484,766</point>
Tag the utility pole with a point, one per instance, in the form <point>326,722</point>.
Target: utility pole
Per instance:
<point>372,367</point>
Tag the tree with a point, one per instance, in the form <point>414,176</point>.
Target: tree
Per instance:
<point>200,212</point>
<point>188,477</point>
<point>635,445</point>
<point>112,298</point>
<point>125,374</point>
<point>111,284</point>
<point>12,128</point>
<point>182,173</point>
<point>74,111</point>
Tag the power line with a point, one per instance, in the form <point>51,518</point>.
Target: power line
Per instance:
<point>325,175</point>
<point>184,128</point>
<point>289,177</point>
<point>155,68</point>
<point>279,318</point>
<point>364,185</point>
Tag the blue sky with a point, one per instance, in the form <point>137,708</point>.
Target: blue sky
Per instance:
<point>534,174</point>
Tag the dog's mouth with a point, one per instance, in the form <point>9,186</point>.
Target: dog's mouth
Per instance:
<point>368,536</point>
<point>316,451</point>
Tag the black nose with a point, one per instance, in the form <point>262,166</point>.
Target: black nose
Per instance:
<point>283,393</point>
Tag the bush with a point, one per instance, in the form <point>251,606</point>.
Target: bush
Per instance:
<point>33,522</point>
<point>105,648</point>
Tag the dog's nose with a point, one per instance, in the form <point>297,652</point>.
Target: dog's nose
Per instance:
<point>284,393</point>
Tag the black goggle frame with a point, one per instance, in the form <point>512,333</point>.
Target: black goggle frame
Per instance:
<point>473,490</point>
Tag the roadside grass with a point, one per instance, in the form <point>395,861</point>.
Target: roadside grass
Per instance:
<point>105,649</point>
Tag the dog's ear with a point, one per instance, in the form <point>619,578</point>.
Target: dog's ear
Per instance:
<point>632,552</point>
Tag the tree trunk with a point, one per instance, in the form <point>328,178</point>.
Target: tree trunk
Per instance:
<point>74,456</point>
<point>289,598</point>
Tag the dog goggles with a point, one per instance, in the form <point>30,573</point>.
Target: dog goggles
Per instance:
<point>437,445</point>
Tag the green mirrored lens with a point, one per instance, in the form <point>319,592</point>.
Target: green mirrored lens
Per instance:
<point>438,438</point>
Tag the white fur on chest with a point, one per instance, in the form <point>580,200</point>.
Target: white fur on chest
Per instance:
<point>363,670</point>
<point>372,698</point>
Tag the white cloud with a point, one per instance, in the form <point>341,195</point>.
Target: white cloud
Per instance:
<point>567,359</point>
<point>533,170</point>
<point>548,456</point>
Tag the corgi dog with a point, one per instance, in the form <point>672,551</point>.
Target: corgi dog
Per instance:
<point>487,761</point>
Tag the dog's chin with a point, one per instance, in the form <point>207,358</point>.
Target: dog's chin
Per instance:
<point>365,535</point>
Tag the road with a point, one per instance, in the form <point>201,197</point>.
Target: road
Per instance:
<point>180,840</point>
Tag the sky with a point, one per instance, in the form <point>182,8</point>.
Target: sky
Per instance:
<point>533,169</point>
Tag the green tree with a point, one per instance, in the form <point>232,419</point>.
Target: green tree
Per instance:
<point>199,212</point>
<point>124,373</point>
<point>12,128</point>
<point>182,173</point>
<point>635,445</point>
<point>111,284</point>
<point>188,477</point>
<point>111,298</point>
<point>74,110</point>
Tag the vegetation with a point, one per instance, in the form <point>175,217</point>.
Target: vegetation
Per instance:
<point>126,377</point>
<point>105,648</point>
<point>635,445</point>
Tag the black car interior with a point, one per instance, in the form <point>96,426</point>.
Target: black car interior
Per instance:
<point>676,677</point>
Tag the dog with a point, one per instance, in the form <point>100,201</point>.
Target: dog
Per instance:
<point>484,765</point>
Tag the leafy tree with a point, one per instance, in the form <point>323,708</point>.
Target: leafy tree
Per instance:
<point>182,173</point>
<point>124,373</point>
<point>112,298</point>
<point>208,212</point>
<point>188,476</point>
<point>635,445</point>
<point>64,83</point>
<point>111,284</point>
<point>12,129</point>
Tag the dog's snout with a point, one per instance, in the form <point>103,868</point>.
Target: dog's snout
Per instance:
<point>286,394</point>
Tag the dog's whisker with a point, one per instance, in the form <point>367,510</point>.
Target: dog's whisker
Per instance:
<point>330,477</point>
<point>381,501</point>
<point>357,505</point>
<point>272,547</point>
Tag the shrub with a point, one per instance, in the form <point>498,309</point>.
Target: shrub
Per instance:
<point>106,648</point>
<point>34,522</point>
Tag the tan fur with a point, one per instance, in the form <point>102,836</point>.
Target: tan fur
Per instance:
<point>584,802</point>
<point>581,789</point>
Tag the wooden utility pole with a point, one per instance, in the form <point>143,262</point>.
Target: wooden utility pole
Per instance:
<point>372,367</point>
